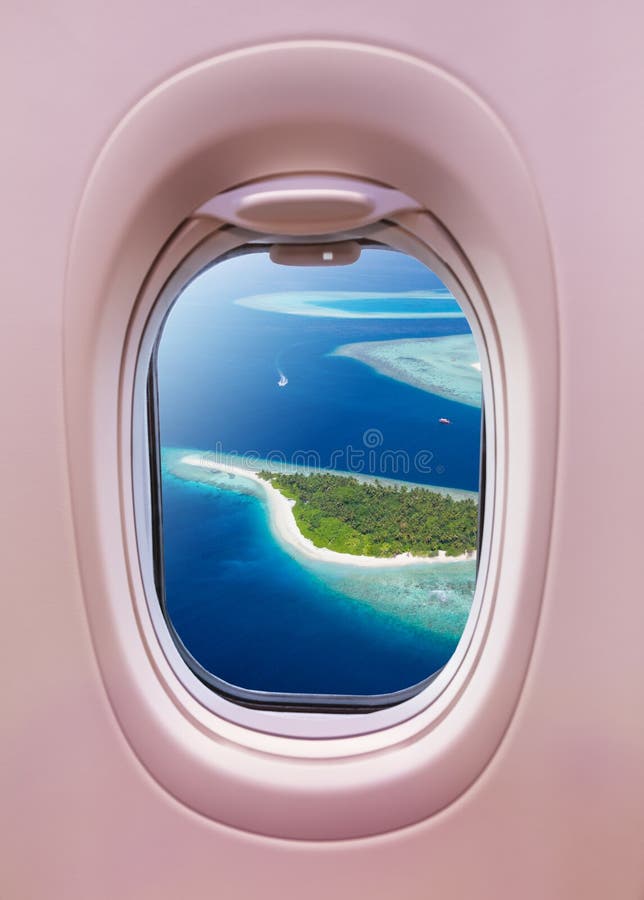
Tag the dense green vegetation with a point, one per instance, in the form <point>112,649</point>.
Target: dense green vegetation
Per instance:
<point>373,519</point>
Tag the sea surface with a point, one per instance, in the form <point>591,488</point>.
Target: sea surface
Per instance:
<point>247,609</point>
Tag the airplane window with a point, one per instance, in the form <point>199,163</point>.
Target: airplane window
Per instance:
<point>316,434</point>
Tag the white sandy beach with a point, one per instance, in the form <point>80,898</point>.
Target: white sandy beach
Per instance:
<point>285,527</point>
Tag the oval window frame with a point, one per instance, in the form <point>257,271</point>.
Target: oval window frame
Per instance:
<point>209,134</point>
<point>245,707</point>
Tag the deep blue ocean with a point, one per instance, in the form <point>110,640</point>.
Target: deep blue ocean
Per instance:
<point>244,607</point>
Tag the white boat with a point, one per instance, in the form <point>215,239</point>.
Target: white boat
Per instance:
<point>283,380</point>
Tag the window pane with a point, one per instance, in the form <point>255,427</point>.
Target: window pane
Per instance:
<point>320,453</point>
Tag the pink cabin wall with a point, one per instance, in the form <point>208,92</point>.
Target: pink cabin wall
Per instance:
<point>559,813</point>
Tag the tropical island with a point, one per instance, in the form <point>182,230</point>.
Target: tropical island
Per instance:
<point>330,517</point>
<point>371,519</point>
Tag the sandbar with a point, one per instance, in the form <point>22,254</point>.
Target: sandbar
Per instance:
<point>446,366</point>
<point>327,304</point>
